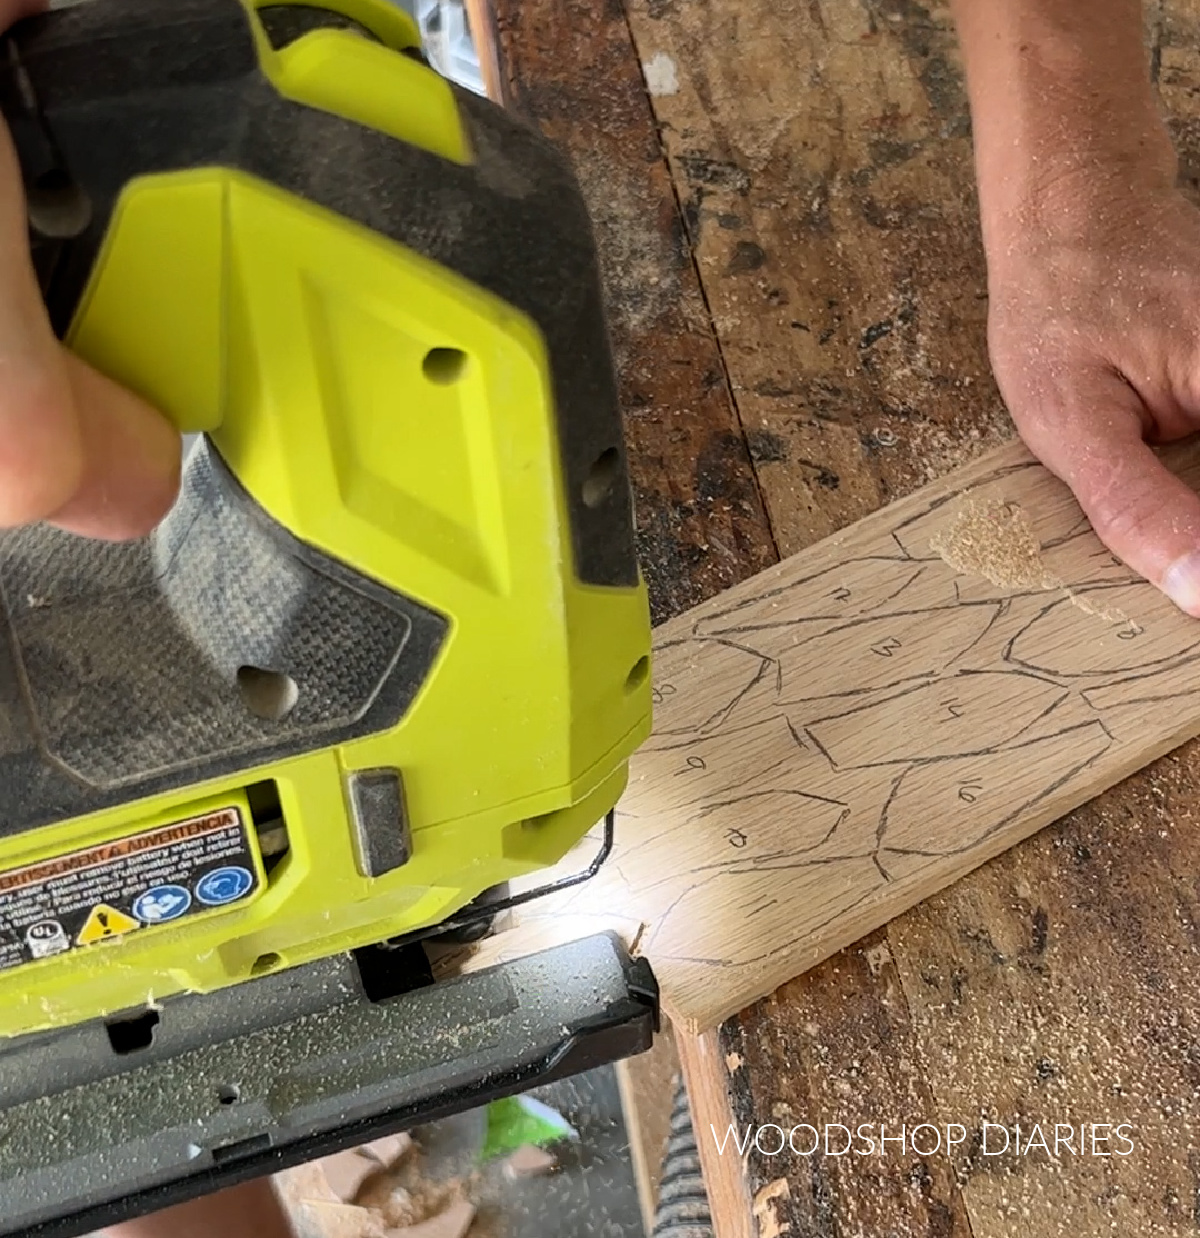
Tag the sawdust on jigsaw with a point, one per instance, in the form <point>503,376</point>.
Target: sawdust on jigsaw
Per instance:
<point>996,540</point>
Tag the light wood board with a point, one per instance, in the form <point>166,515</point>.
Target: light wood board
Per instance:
<point>706,1073</point>
<point>647,1087</point>
<point>847,733</point>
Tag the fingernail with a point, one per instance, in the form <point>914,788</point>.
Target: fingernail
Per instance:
<point>1181,583</point>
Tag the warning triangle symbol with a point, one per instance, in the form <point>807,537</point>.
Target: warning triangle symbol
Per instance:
<point>103,922</point>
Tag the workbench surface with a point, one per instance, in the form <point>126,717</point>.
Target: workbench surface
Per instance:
<point>784,200</point>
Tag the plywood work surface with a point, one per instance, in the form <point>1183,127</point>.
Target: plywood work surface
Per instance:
<point>788,230</point>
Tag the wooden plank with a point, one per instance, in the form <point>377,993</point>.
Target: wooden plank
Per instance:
<point>707,1070</point>
<point>844,1074</point>
<point>845,734</point>
<point>647,1086</point>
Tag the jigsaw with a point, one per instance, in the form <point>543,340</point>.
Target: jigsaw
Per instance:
<point>388,653</point>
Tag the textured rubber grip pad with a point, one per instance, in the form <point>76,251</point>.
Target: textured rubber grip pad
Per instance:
<point>133,668</point>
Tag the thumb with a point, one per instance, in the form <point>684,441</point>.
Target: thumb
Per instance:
<point>1139,509</point>
<point>14,10</point>
<point>41,447</point>
<point>75,448</point>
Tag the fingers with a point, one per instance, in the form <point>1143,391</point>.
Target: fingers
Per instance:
<point>14,10</point>
<point>1140,510</point>
<point>41,449</point>
<point>75,448</point>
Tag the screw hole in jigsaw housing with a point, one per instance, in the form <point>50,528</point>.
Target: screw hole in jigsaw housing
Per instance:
<point>270,695</point>
<point>601,478</point>
<point>265,963</point>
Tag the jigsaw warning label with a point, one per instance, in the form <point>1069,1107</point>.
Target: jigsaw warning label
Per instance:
<point>120,887</point>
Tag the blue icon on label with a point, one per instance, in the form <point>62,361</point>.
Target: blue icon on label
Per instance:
<point>161,904</point>
<point>224,885</point>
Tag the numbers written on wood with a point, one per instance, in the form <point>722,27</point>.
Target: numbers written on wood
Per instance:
<point>886,648</point>
<point>969,792</point>
<point>1131,631</point>
<point>661,691</point>
<point>691,765</point>
<point>736,838</point>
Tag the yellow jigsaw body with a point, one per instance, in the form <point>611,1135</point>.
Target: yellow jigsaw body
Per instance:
<point>400,420</point>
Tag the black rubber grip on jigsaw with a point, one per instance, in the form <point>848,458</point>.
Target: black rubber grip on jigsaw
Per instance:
<point>118,671</point>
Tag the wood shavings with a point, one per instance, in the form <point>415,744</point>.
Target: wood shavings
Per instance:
<point>346,1172</point>
<point>405,1197</point>
<point>996,540</point>
<point>769,1225</point>
<point>378,1190</point>
<point>1107,613</point>
<point>453,1223</point>
<point>335,1220</point>
<point>308,1184</point>
<point>388,1150</point>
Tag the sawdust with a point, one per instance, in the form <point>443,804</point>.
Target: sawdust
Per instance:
<point>383,1190</point>
<point>769,1224</point>
<point>453,1222</point>
<point>996,540</point>
<point>334,1220</point>
<point>346,1172</point>
<point>406,1195</point>
<point>1108,613</point>
<point>1078,1021</point>
<point>641,280</point>
<point>930,451</point>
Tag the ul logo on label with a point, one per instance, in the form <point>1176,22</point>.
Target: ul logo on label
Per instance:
<point>45,938</point>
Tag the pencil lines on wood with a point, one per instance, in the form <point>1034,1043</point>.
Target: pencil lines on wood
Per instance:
<point>851,730</point>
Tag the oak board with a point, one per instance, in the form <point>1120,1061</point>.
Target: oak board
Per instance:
<point>851,731</point>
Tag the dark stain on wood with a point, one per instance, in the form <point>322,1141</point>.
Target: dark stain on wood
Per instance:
<point>766,448</point>
<point>747,256</point>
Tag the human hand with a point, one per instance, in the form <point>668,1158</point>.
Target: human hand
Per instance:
<point>1094,331</point>
<point>76,449</point>
<point>1093,266</point>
